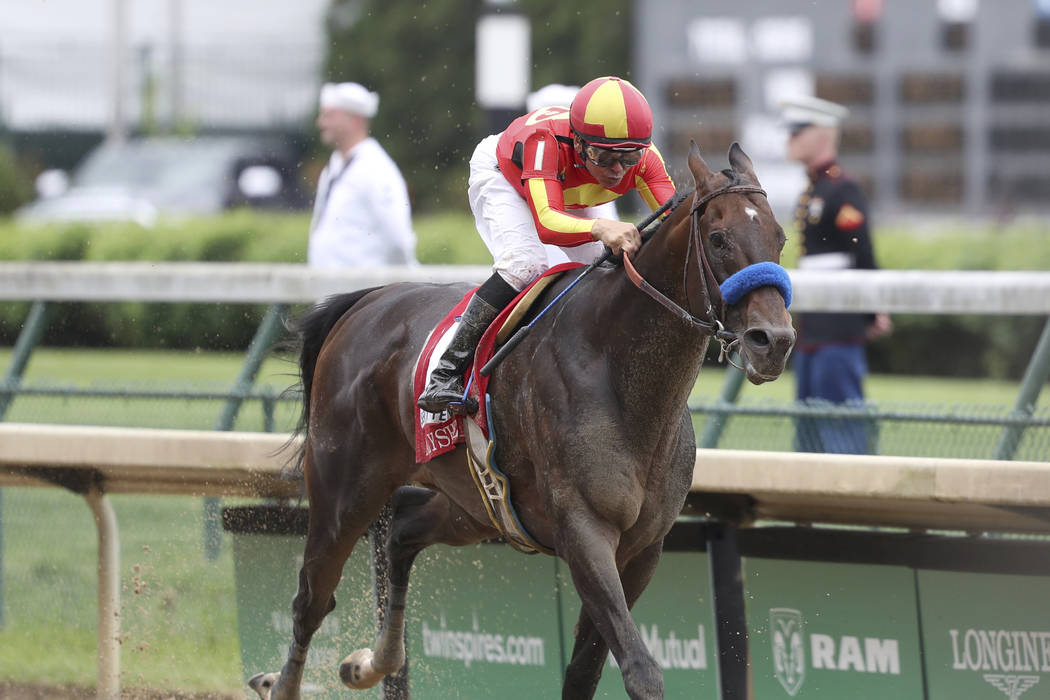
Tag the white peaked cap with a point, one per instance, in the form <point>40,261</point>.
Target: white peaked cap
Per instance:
<point>811,110</point>
<point>350,97</point>
<point>553,95</point>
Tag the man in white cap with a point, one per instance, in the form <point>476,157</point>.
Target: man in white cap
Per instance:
<point>829,359</point>
<point>362,216</point>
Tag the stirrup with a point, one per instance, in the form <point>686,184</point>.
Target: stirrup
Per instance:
<point>453,401</point>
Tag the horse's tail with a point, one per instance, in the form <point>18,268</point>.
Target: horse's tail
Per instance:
<point>311,329</point>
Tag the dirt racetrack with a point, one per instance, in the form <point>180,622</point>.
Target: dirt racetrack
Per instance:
<point>30,691</point>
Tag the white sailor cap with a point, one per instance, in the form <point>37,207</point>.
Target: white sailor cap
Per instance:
<point>805,110</point>
<point>553,95</point>
<point>349,97</point>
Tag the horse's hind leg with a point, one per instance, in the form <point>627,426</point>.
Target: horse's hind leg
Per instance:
<point>590,650</point>
<point>340,513</point>
<point>421,517</point>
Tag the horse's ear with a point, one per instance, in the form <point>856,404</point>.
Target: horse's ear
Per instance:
<point>740,161</point>
<point>696,164</point>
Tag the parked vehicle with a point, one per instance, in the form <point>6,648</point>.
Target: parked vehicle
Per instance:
<point>147,178</point>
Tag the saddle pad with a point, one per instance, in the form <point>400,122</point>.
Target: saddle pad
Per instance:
<point>438,433</point>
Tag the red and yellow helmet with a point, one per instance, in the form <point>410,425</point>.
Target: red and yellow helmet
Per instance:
<point>610,112</point>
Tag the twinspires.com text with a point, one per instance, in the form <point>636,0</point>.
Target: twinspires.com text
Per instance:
<point>469,647</point>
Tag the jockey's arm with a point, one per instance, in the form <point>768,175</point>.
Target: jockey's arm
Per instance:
<point>557,227</point>
<point>651,181</point>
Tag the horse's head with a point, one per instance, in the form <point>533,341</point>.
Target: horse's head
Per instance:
<point>742,242</point>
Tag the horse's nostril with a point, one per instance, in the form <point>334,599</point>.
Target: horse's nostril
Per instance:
<point>757,338</point>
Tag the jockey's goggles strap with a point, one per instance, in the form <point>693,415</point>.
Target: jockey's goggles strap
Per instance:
<point>607,157</point>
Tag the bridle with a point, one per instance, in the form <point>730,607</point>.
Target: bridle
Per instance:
<point>712,325</point>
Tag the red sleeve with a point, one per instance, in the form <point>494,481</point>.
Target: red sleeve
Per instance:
<point>553,224</point>
<point>540,156</point>
<point>543,192</point>
<point>652,181</point>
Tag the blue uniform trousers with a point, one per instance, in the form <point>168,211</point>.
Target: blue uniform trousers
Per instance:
<point>833,374</point>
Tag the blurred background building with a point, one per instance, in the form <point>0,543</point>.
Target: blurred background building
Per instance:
<point>234,64</point>
<point>949,99</point>
<point>72,71</point>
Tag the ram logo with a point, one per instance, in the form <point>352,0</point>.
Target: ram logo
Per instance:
<point>789,652</point>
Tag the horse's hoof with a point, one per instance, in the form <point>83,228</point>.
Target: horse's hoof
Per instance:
<point>357,671</point>
<point>261,683</point>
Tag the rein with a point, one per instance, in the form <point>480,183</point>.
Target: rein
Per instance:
<point>713,327</point>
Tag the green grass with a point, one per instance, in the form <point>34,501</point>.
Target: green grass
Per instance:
<point>179,616</point>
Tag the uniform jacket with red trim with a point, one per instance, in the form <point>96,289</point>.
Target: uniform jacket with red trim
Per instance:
<point>836,234</point>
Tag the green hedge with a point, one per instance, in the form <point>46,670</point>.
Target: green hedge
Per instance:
<point>971,346</point>
<point>239,236</point>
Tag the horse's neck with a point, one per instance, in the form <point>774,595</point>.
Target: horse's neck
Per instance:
<point>657,369</point>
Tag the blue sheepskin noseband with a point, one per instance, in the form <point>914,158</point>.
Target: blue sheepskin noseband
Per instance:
<point>763,274</point>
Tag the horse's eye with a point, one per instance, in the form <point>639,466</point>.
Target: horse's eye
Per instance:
<point>718,239</point>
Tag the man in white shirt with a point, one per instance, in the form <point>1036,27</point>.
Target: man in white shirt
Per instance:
<point>362,217</point>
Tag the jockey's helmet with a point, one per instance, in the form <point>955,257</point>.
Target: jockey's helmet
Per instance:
<point>609,112</point>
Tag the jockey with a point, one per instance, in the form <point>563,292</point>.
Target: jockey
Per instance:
<point>524,185</point>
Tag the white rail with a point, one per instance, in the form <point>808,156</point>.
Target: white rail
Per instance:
<point>892,291</point>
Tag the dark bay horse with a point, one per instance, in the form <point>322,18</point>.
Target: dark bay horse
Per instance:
<point>595,435</point>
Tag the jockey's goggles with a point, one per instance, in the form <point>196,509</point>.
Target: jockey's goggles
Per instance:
<point>607,157</point>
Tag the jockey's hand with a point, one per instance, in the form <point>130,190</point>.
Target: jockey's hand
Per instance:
<point>620,236</point>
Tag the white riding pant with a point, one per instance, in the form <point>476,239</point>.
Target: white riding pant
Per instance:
<point>503,219</point>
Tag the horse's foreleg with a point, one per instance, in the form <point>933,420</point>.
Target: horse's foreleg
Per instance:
<point>589,548</point>
<point>585,666</point>
<point>590,650</point>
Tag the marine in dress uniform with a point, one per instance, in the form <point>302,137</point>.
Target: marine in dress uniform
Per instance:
<point>832,218</point>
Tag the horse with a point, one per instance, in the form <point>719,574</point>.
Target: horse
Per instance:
<point>595,434</point>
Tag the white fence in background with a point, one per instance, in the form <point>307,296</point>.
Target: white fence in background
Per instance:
<point>891,291</point>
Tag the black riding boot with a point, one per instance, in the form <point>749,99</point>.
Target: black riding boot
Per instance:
<point>446,381</point>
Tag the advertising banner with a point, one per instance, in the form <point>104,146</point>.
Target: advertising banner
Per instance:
<point>483,623</point>
<point>832,631</point>
<point>985,636</point>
